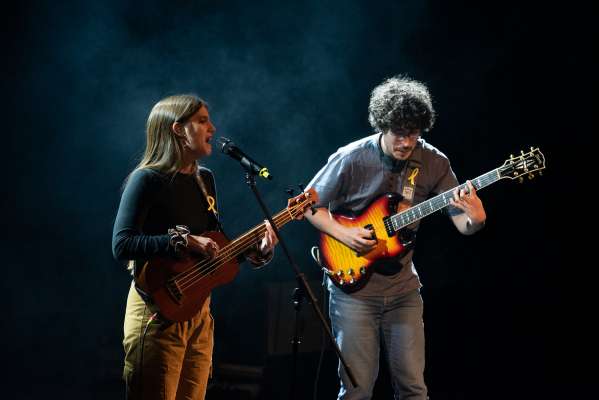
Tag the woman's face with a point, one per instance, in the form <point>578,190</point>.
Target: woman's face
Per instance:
<point>198,132</point>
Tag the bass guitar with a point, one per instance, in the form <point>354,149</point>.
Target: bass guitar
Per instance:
<point>387,217</point>
<point>179,287</point>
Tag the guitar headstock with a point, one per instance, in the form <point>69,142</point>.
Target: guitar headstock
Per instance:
<point>297,205</point>
<point>524,164</point>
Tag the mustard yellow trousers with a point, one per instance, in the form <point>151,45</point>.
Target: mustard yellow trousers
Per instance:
<point>166,360</point>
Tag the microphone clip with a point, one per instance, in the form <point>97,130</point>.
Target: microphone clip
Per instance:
<point>252,167</point>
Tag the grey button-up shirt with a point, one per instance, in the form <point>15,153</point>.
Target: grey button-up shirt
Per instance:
<point>360,172</point>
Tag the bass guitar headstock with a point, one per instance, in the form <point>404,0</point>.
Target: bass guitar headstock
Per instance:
<point>524,164</point>
<point>297,205</point>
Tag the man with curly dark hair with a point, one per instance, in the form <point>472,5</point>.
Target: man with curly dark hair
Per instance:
<point>388,308</point>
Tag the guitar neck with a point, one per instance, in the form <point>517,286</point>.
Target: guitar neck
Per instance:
<point>421,210</point>
<point>254,235</point>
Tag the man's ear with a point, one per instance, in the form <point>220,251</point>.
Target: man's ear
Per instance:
<point>177,128</point>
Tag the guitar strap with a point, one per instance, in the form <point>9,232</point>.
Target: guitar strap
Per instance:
<point>212,207</point>
<point>409,177</point>
<point>211,201</point>
<point>408,191</point>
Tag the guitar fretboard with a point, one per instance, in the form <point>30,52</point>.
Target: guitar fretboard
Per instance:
<point>238,246</point>
<point>419,211</point>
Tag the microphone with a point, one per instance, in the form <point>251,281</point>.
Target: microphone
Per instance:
<point>230,149</point>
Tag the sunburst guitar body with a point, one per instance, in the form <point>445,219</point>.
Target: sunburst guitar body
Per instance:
<point>389,218</point>
<point>350,270</point>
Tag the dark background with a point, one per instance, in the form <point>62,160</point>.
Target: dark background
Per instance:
<point>507,311</point>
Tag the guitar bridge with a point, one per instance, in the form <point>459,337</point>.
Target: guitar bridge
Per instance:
<point>174,291</point>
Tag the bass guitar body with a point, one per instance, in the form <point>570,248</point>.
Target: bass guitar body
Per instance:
<point>178,288</point>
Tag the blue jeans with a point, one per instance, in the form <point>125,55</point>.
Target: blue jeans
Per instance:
<point>362,324</point>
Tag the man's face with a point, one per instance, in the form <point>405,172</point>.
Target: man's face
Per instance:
<point>399,144</point>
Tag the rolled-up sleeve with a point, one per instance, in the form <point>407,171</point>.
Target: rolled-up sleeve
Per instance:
<point>330,180</point>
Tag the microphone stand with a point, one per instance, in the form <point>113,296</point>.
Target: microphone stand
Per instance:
<point>303,288</point>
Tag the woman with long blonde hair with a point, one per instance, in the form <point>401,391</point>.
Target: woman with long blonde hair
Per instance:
<point>167,203</point>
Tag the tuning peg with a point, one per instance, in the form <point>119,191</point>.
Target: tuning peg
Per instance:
<point>522,152</point>
<point>532,148</point>
<point>520,179</point>
<point>290,191</point>
<point>540,173</point>
<point>531,175</point>
<point>511,156</point>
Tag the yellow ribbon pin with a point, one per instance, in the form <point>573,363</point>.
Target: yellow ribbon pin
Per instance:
<point>211,203</point>
<point>413,176</point>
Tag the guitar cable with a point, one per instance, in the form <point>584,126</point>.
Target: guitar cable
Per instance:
<point>315,252</point>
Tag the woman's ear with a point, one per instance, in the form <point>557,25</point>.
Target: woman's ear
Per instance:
<point>177,128</point>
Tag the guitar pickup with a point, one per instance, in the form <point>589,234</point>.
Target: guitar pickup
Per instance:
<point>388,226</point>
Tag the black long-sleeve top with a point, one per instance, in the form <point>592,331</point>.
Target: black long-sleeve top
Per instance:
<point>152,202</point>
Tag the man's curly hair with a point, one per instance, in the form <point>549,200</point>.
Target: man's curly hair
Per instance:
<point>401,102</point>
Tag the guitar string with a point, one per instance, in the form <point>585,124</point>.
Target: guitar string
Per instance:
<point>224,254</point>
<point>193,274</point>
<point>438,202</point>
<point>188,279</point>
<point>486,178</point>
<point>242,240</point>
<point>200,270</point>
<point>411,213</point>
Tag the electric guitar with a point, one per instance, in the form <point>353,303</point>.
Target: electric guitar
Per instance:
<point>387,217</point>
<point>179,287</point>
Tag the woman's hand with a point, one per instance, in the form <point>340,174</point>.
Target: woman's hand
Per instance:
<point>269,241</point>
<point>202,245</point>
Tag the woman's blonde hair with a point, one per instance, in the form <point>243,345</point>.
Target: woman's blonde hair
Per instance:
<point>164,151</point>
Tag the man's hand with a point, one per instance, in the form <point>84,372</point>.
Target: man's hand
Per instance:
<point>359,239</point>
<point>467,201</point>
